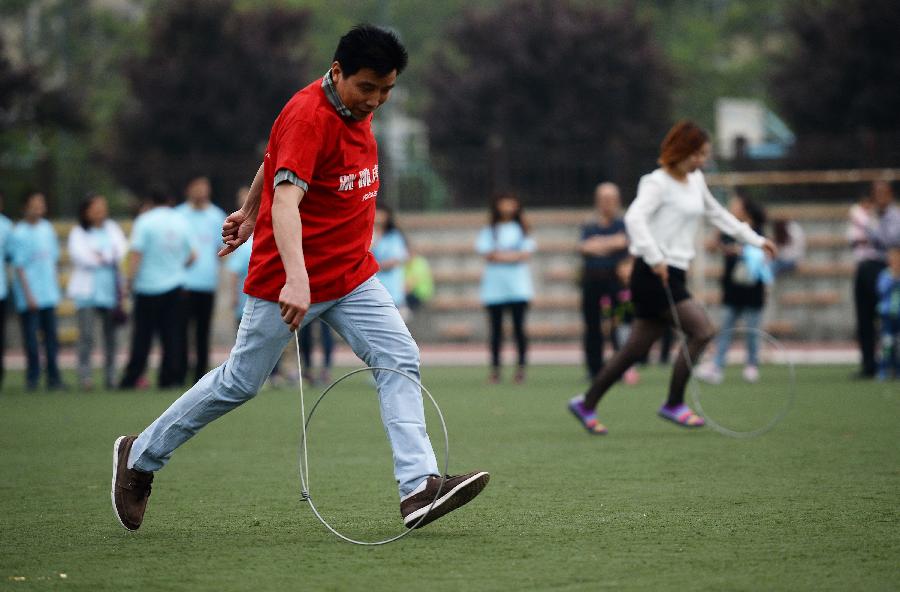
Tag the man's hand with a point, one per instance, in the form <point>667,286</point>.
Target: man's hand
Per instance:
<point>294,302</point>
<point>236,229</point>
<point>32,303</point>
<point>770,249</point>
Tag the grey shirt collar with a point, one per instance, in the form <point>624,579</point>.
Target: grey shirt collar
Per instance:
<point>333,97</point>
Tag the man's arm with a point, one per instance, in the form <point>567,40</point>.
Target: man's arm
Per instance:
<point>134,263</point>
<point>294,298</point>
<point>238,226</point>
<point>604,245</point>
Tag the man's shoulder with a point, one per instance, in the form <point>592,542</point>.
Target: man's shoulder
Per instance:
<point>308,105</point>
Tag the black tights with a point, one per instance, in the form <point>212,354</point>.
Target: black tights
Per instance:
<point>495,314</point>
<point>698,330</point>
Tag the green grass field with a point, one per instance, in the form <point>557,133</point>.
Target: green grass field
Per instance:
<point>812,505</point>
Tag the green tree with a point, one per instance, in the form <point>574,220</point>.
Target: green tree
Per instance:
<point>837,82</point>
<point>206,91</point>
<point>31,118</point>
<point>547,98</point>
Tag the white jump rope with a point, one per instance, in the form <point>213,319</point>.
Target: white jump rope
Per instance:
<point>304,448</point>
<point>695,391</point>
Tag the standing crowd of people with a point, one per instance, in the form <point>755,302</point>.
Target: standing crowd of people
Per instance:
<point>171,274</point>
<point>167,268</point>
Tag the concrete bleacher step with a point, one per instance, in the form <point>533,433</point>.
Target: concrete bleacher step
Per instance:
<point>814,302</point>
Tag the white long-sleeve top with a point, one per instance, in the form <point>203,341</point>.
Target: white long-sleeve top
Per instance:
<point>662,220</point>
<point>87,257</point>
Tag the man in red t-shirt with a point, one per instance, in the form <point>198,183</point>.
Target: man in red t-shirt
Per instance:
<point>321,161</point>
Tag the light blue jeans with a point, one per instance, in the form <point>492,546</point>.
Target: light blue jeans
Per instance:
<point>751,317</point>
<point>368,321</point>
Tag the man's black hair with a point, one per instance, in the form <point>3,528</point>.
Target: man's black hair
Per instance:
<point>368,46</point>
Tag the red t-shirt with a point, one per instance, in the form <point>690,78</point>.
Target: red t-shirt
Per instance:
<point>338,158</point>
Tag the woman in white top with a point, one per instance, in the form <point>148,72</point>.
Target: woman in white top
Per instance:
<point>96,247</point>
<point>662,223</point>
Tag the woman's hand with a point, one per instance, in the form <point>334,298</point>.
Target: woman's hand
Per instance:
<point>662,270</point>
<point>770,249</point>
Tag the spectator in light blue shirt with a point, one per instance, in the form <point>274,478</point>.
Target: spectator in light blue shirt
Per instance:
<point>6,228</point>
<point>205,222</point>
<point>160,253</point>
<point>238,263</point>
<point>35,253</point>
<point>506,282</point>
<point>389,249</point>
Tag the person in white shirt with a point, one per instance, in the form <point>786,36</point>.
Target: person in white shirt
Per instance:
<point>96,247</point>
<point>661,224</point>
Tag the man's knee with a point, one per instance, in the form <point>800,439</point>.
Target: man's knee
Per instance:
<point>404,355</point>
<point>238,386</point>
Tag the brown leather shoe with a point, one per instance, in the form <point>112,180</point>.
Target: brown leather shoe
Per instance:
<point>458,490</point>
<point>130,488</point>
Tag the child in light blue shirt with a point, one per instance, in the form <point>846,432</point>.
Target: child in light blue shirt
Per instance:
<point>35,253</point>
<point>389,249</point>
<point>506,282</point>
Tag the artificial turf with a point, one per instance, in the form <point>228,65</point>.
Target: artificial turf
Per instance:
<point>811,505</point>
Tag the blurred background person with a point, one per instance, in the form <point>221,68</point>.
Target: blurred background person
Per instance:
<point>237,264</point>
<point>790,239</point>
<point>419,279</point>
<point>881,228</point>
<point>96,247</point>
<point>603,245</point>
<point>205,221</point>
<point>389,249</point>
<point>858,219</point>
<point>6,228</point>
<point>744,279</point>
<point>889,311</point>
<point>506,283</point>
<point>35,255</point>
<point>160,251</point>
<point>623,311</point>
<point>307,339</point>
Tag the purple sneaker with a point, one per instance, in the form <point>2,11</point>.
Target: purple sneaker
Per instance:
<point>682,415</point>
<point>587,417</point>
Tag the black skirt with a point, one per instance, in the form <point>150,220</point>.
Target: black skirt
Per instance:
<point>649,295</point>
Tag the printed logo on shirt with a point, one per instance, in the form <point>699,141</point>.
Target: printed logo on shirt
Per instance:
<point>362,179</point>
